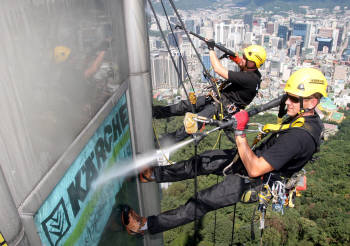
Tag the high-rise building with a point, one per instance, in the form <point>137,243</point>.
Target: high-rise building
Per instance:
<point>248,20</point>
<point>190,25</point>
<point>207,65</point>
<point>340,36</point>
<point>275,42</point>
<point>248,38</point>
<point>325,32</point>
<point>335,38</point>
<point>270,28</point>
<point>294,39</point>
<point>259,39</point>
<point>207,31</point>
<point>198,29</point>
<point>177,40</point>
<point>163,71</point>
<point>280,44</point>
<point>275,67</point>
<point>173,19</point>
<point>303,30</point>
<point>345,56</point>
<point>266,41</point>
<point>221,32</point>
<point>324,42</point>
<point>283,34</point>
<point>172,40</point>
<point>292,50</point>
<point>348,40</point>
<point>299,48</point>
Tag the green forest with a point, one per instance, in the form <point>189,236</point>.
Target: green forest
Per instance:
<point>321,216</point>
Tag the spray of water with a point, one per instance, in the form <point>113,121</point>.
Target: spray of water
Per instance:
<point>125,168</point>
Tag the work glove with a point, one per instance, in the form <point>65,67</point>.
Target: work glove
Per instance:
<point>225,55</point>
<point>235,59</point>
<point>241,120</point>
<point>210,44</point>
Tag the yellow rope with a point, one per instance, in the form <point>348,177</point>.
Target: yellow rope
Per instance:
<point>221,116</point>
<point>217,140</point>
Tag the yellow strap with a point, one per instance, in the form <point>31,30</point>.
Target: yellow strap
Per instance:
<point>217,140</point>
<point>2,239</point>
<point>290,198</point>
<point>299,122</point>
<point>192,97</point>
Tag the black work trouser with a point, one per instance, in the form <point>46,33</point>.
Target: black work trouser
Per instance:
<point>223,194</point>
<point>204,106</point>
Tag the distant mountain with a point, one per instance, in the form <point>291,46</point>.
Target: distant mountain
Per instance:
<point>185,4</point>
<point>293,3</point>
<point>253,4</point>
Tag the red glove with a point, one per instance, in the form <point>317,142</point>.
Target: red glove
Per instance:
<point>235,59</point>
<point>242,119</point>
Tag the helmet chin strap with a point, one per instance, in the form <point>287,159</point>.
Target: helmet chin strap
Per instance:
<point>301,103</point>
<point>249,68</point>
<point>302,109</point>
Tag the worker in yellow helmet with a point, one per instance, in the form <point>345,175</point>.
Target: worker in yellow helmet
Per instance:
<point>303,84</point>
<point>237,91</point>
<point>278,157</point>
<point>240,87</point>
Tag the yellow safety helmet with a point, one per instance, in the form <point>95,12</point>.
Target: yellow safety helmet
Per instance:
<point>255,53</point>
<point>61,53</point>
<point>306,82</point>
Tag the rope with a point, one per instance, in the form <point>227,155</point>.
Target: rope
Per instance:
<point>206,73</point>
<point>177,44</point>
<point>169,51</point>
<point>195,195</point>
<point>217,181</point>
<point>233,224</point>
<point>214,238</point>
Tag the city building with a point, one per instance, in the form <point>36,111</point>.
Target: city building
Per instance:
<point>283,34</point>
<point>324,44</point>
<point>303,30</point>
<point>163,71</point>
<point>270,28</point>
<point>248,20</point>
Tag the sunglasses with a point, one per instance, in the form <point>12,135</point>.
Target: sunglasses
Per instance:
<point>294,99</point>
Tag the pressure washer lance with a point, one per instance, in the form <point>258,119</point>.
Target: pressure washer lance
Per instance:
<point>192,119</point>
<point>220,47</point>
